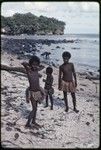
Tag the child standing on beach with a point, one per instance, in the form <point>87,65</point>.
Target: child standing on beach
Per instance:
<point>48,86</point>
<point>66,82</point>
<point>34,91</point>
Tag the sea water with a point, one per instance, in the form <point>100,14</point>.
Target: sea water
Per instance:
<point>84,53</point>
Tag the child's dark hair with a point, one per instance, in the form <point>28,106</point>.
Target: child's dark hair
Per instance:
<point>66,54</point>
<point>34,59</point>
<point>49,70</point>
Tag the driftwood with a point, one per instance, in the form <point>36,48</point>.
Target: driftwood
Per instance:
<point>9,68</point>
<point>92,77</point>
<point>17,69</point>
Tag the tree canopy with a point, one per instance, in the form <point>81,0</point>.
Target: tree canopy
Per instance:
<point>30,24</point>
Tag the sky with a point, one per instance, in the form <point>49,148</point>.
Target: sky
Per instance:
<point>80,17</point>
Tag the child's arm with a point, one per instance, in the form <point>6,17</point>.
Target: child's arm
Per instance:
<point>40,67</point>
<point>49,81</point>
<point>27,95</point>
<point>44,80</point>
<point>59,80</point>
<point>74,74</point>
<point>26,66</point>
<point>39,75</point>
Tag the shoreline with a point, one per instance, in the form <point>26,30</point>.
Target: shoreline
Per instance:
<point>26,47</point>
<point>80,69</point>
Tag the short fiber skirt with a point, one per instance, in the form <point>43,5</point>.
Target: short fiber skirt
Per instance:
<point>49,91</point>
<point>68,86</point>
<point>37,96</point>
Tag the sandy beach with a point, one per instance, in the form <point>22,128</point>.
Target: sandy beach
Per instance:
<point>59,129</point>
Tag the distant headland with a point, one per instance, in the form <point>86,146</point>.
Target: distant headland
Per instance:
<point>30,24</point>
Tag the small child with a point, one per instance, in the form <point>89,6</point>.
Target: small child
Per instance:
<point>66,82</point>
<point>34,93</point>
<point>48,86</point>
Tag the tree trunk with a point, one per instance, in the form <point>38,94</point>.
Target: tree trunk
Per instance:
<point>9,68</point>
<point>18,69</point>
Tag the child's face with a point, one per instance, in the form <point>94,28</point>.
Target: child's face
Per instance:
<point>35,66</point>
<point>48,74</point>
<point>65,59</point>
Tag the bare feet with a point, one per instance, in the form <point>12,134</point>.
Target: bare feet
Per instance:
<point>45,106</point>
<point>28,125</point>
<point>76,110</point>
<point>67,109</point>
<point>51,108</point>
<point>36,124</point>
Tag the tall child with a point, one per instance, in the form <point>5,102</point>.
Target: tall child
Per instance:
<point>67,80</point>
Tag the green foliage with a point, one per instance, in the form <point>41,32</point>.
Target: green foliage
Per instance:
<point>31,24</point>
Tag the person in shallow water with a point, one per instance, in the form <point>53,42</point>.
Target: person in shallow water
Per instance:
<point>66,83</point>
<point>34,92</point>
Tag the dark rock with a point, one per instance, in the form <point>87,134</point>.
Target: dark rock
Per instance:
<point>4,88</point>
<point>15,109</point>
<point>53,64</point>
<point>89,100</point>
<point>95,104</point>
<point>42,110</point>
<point>93,120</point>
<point>87,123</point>
<point>81,89</point>
<point>75,48</point>
<point>10,124</point>
<point>8,129</point>
<point>4,93</point>
<point>83,84</point>
<point>91,73</point>
<point>58,47</point>
<point>90,77</point>
<point>91,115</point>
<point>58,124</point>
<point>69,143</point>
<point>16,136</point>
<point>11,59</point>
<point>21,103</point>
<point>43,136</point>
<point>55,120</point>
<point>70,41</point>
<point>42,114</point>
<point>57,59</point>
<point>52,118</point>
<point>82,73</point>
<point>61,119</point>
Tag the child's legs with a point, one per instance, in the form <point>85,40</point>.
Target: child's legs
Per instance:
<point>34,107</point>
<point>31,115</point>
<point>65,99</point>
<point>46,99</point>
<point>74,100</point>
<point>27,94</point>
<point>51,100</point>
